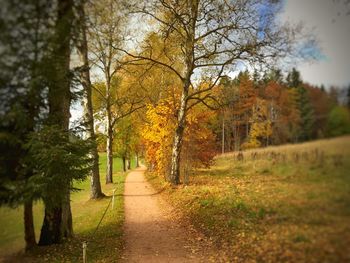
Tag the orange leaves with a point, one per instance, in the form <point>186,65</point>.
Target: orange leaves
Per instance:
<point>199,139</point>
<point>158,134</point>
<point>198,143</point>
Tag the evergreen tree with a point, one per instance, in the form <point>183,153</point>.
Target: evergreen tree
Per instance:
<point>293,79</point>
<point>25,30</point>
<point>338,122</point>
<point>39,153</point>
<point>58,217</point>
<point>306,114</point>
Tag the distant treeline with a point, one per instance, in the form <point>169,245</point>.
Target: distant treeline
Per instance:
<point>270,109</point>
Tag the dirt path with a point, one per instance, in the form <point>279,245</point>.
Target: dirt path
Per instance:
<point>151,233</point>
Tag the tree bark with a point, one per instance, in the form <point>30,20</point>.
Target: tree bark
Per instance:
<point>51,229</point>
<point>56,221</point>
<point>137,160</point>
<point>124,163</point>
<point>67,221</point>
<point>177,145</point>
<point>95,184</point>
<point>109,172</point>
<point>181,120</point>
<point>29,233</point>
<point>223,135</point>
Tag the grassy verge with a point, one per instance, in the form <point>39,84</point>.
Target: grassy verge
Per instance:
<point>289,203</point>
<point>103,246</point>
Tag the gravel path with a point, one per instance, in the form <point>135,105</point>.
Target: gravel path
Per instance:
<point>151,233</point>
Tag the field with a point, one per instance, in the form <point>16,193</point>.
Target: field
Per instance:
<point>104,246</point>
<point>279,204</point>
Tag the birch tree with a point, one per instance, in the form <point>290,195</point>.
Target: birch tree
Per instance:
<point>105,33</point>
<point>82,47</point>
<point>213,36</point>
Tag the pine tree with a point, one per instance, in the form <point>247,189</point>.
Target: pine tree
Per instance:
<point>306,114</point>
<point>25,29</point>
<point>293,79</point>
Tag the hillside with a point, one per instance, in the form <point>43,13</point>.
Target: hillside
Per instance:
<point>286,203</point>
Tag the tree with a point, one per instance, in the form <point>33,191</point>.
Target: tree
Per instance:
<point>238,97</point>
<point>304,105</point>
<point>25,28</point>
<point>157,135</point>
<point>293,79</point>
<point>292,114</point>
<point>321,104</point>
<point>119,101</point>
<point>306,114</point>
<point>58,157</point>
<point>36,87</point>
<point>338,122</point>
<point>82,47</point>
<point>127,141</point>
<point>199,142</point>
<point>123,141</point>
<point>261,127</point>
<point>58,216</point>
<point>106,33</point>
<point>210,37</point>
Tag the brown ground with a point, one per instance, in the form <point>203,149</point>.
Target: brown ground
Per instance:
<point>153,233</point>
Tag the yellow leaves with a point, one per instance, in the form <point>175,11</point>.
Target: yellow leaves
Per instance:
<point>260,127</point>
<point>158,133</point>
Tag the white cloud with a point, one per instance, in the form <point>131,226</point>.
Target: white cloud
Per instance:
<point>330,22</point>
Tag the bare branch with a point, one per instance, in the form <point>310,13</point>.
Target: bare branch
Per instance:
<point>140,58</point>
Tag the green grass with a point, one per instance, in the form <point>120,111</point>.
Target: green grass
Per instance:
<point>104,246</point>
<point>117,163</point>
<point>289,203</point>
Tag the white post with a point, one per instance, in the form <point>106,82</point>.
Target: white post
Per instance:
<point>84,252</point>
<point>113,198</point>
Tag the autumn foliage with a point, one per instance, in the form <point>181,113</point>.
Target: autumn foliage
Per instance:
<point>199,141</point>
<point>269,109</point>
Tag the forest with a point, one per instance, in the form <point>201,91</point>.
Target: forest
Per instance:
<point>171,85</point>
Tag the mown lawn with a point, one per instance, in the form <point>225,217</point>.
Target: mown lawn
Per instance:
<point>279,204</point>
<point>103,246</point>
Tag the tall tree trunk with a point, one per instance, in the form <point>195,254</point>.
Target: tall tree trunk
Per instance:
<point>51,229</point>
<point>246,129</point>
<point>109,172</point>
<point>177,145</point>
<point>67,221</point>
<point>137,160</point>
<point>29,233</point>
<point>223,136</point>
<point>56,221</point>
<point>124,163</point>
<point>95,184</point>
<point>181,119</point>
<point>82,46</point>
<point>129,164</point>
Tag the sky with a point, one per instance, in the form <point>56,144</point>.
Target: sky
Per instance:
<point>329,20</point>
